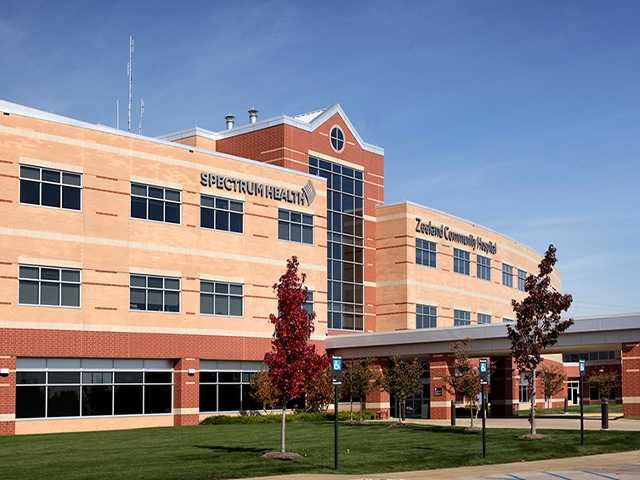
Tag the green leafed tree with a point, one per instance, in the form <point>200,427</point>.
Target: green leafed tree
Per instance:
<point>465,379</point>
<point>605,381</point>
<point>552,379</point>
<point>401,379</point>
<point>358,379</point>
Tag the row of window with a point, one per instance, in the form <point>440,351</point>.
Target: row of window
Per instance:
<point>426,255</point>
<point>227,391</point>
<point>56,188</point>
<point>590,356</point>
<point>52,286</point>
<point>48,394</point>
<point>427,317</point>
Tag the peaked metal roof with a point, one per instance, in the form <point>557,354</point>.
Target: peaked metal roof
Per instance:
<point>306,121</point>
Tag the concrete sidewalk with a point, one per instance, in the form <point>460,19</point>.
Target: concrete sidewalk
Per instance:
<point>612,466</point>
<point>542,423</point>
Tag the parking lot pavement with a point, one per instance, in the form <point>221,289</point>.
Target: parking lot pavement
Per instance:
<point>616,472</point>
<point>610,466</point>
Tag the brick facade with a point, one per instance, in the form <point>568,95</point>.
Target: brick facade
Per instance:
<point>440,366</point>
<point>7,394</point>
<point>631,379</point>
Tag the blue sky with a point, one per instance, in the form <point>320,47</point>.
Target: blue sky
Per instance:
<point>521,116</point>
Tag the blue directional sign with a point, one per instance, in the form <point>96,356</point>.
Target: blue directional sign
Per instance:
<point>336,370</point>
<point>582,367</point>
<point>336,364</point>
<point>484,371</point>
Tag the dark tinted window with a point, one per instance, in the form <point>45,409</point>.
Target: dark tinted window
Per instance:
<point>63,401</point>
<point>157,399</point>
<point>96,400</point>
<point>30,402</point>
<point>128,399</point>
<point>155,203</point>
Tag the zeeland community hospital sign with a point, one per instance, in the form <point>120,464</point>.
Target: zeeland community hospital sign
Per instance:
<point>474,241</point>
<point>305,196</point>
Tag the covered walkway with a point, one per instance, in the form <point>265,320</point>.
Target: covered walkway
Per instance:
<point>620,333</point>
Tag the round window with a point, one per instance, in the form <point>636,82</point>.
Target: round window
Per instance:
<point>337,139</point>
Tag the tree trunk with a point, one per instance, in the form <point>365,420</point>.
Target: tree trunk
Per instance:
<point>475,410</point>
<point>351,408</point>
<point>533,402</point>
<point>283,426</point>
<point>403,410</point>
<point>362,404</point>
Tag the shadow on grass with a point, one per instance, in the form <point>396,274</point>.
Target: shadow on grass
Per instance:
<point>220,448</point>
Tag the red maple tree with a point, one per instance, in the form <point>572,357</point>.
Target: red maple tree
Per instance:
<point>292,359</point>
<point>538,324</point>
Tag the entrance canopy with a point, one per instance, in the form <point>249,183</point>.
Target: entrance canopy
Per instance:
<point>586,334</point>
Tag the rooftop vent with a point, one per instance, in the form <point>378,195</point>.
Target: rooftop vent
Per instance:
<point>230,120</point>
<point>253,115</point>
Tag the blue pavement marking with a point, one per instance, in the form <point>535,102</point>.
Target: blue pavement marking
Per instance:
<point>515,477</point>
<point>557,475</point>
<point>603,475</point>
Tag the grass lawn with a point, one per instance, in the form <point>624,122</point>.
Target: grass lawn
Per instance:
<point>228,451</point>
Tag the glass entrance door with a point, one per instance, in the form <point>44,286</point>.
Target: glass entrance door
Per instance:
<point>573,392</point>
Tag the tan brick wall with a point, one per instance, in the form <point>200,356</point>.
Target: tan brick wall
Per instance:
<point>401,283</point>
<point>108,244</point>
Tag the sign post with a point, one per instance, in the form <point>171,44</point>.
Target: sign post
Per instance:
<point>484,380</point>
<point>582,368</point>
<point>336,375</point>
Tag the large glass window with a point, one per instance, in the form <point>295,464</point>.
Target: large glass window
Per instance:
<point>461,261</point>
<point>221,298</point>
<point>484,267</point>
<point>425,252</point>
<point>295,226</point>
<point>308,305</point>
<point>484,318</point>
<point>50,188</point>
<point>51,286</point>
<point>153,293</point>
<point>507,275</point>
<point>345,239</point>
<point>426,316</point>
<point>461,318</point>
<point>51,392</point>
<point>522,280</point>
<point>221,214</point>
<point>227,391</point>
<point>155,203</point>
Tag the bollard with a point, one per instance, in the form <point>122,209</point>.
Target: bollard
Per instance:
<point>566,406</point>
<point>453,413</point>
<point>605,414</point>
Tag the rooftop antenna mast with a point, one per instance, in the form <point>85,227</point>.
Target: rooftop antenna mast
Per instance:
<point>130,74</point>
<point>141,116</point>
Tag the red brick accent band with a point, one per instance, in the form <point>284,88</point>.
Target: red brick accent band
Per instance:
<point>72,343</point>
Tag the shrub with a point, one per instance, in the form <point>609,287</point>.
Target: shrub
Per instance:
<point>275,418</point>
